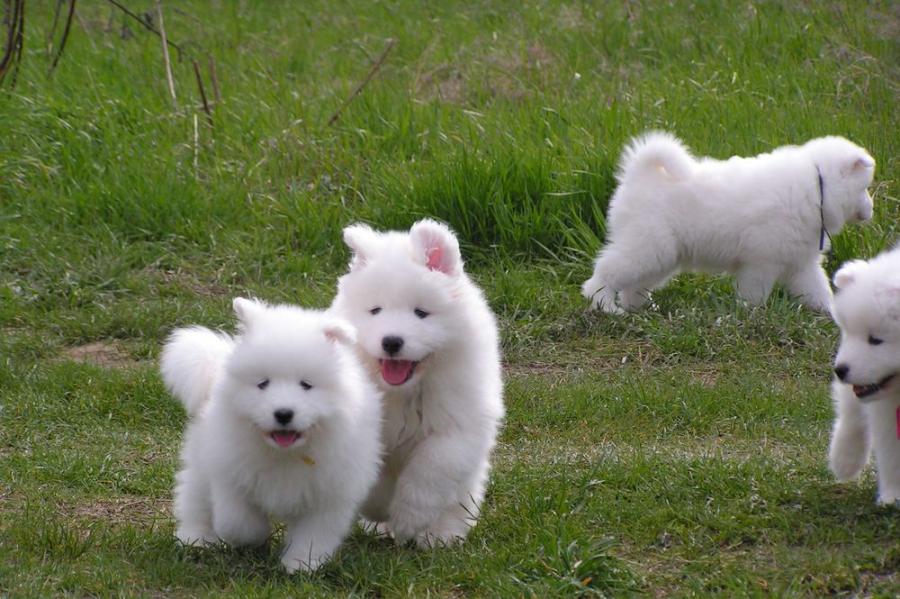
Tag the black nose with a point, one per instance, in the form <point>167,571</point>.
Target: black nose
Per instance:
<point>392,344</point>
<point>284,416</point>
<point>841,371</point>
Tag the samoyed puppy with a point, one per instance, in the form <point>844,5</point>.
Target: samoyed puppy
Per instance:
<point>866,392</point>
<point>429,340</point>
<point>764,219</point>
<point>284,424</point>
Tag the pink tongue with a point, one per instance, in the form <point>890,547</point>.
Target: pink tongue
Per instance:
<point>395,372</point>
<point>285,438</point>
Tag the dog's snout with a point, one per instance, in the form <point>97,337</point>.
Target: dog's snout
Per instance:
<point>841,371</point>
<point>284,416</point>
<point>392,344</point>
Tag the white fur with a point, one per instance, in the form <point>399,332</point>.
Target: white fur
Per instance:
<point>441,424</point>
<point>234,477</point>
<point>757,218</point>
<point>867,308</point>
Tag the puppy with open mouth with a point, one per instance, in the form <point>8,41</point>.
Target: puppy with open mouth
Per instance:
<point>866,390</point>
<point>284,424</point>
<point>430,342</point>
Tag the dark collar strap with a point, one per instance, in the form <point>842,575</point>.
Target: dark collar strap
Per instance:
<point>823,232</point>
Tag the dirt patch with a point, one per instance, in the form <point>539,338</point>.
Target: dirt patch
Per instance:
<point>119,510</point>
<point>100,353</point>
<point>444,82</point>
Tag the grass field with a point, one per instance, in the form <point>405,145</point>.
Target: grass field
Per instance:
<point>677,451</point>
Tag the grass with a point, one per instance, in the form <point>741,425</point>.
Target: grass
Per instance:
<point>678,451</point>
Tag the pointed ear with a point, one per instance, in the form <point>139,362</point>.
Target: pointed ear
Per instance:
<point>436,245</point>
<point>848,273</point>
<point>361,239</point>
<point>340,331</point>
<point>247,310</point>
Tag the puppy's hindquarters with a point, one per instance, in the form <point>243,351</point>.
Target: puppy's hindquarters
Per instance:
<point>850,439</point>
<point>630,266</point>
<point>190,360</point>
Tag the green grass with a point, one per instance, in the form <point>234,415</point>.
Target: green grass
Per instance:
<point>676,451</point>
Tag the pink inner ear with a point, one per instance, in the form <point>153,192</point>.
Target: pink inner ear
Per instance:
<point>435,256</point>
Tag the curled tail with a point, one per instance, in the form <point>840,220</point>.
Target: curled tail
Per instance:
<point>190,360</point>
<point>656,153</point>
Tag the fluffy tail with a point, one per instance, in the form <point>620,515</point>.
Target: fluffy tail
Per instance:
<point>190,360</point>
<point>656,153</point>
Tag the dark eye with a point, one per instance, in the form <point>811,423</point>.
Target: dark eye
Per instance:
<point>420,313</point>
<point>375,310</point>
<point>263,384</point>
<point>306,386</point>
<point>875,340</point>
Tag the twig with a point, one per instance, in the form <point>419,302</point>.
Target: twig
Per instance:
<point>214,79</point>
<point>375,66</point>
<point>202,92</point>
<point>15,38</point>
<point>65,35</point>
<point>147,26</point>
<point>165,52</point>
<point>52,32</point>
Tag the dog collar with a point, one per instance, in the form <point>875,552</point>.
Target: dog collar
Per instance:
<point>823,232</point>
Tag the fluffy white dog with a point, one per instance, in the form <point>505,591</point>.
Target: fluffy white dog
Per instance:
<point>764,219</point>
<point>430,341</point>
<point>284,423</point>
<point>867,390</point>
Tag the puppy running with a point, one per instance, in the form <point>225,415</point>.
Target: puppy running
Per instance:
<point>764,219</point>
<point>283,423</point>
<point>866,392</point>
<point>430,341</point>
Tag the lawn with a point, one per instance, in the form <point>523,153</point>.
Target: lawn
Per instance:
<point>677,451</point>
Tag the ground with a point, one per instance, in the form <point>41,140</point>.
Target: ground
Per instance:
<point>677,451</point>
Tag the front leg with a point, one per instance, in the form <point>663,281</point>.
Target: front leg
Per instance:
<point>236,521</point>
<point>311,541</point>
<point>433,482</point>
<point>884,422</point>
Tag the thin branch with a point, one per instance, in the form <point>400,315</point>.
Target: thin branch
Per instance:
<point>15,39</point>
<point>202,91</point>
<point>214,79</point>
<point>165,52</point>
<point>52,33</point>
<point>375,67</point>
<point>65,35</point>
<point>147,26</point>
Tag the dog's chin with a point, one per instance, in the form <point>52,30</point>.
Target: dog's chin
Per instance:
<point>870,391</point>
<point>285,439</point>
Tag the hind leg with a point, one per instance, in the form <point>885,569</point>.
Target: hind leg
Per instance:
<point>631,270</point>
<point>850,441</point>
<point>810,284</point>
<point>755,282</point>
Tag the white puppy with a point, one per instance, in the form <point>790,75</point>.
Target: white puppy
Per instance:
<point>867,394</point>
<point>430,341</point>
<point>284,423</point>
<point>764,219</point>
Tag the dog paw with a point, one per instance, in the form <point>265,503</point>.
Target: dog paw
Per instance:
<point>294,563</point>
<point>196,537</point>
<point>407,522</point>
